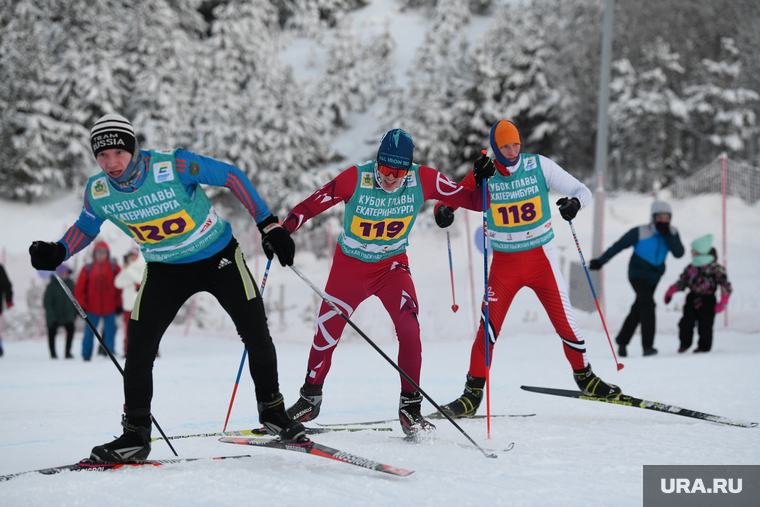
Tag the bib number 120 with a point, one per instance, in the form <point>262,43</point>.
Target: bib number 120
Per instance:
<point>158,230</point>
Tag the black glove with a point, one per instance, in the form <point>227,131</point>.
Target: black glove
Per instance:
<point>119,310</point>
<point>568,208</point>
<point>484,169</point>
<point>594,265</point>
<point>663,227</point>
<point>275,239</point>
<point>444,216</point>
<point>47,255</point>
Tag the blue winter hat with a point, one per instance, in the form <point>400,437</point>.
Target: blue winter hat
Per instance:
<point>396,149</point>
<point>62,269</point>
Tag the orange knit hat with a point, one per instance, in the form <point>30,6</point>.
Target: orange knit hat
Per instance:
<point>506,133</point>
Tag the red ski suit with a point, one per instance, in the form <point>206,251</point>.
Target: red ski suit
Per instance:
<point>351,280</point>
<point>537,269</point>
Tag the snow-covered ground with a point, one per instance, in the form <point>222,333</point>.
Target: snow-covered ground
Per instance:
<point>571,451</point>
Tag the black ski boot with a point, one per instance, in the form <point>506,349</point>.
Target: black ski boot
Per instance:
<point>409,414</point>
<point>592,385</point>
<point>307,406</point>
<point>132,445</point>
<point>467,404</point>
<point>622,350</point>
<point>276,421</point>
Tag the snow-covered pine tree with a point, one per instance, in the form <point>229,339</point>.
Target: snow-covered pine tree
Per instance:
<point>646,115</point>
<point>720,111</point>
<point>348,83</point>
<point>694,29</point>
<point>435,87</point>
<point>250,111</point>
<point>517,74</point>
<point>310,17</point>
<point>162,48</point>
<point>39,148</point>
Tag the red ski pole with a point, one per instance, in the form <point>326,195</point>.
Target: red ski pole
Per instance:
<point>454,307</point>
<point>620,365</point>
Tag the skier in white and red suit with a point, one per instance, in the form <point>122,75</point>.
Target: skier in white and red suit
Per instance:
<point>524,255</point>
<point>382,197</point>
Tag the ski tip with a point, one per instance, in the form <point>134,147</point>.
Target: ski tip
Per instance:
<point>399,472</point>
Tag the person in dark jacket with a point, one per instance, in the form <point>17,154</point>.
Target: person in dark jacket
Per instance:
<point>99,297</point>
<point>651,243</point>
<point>59,312</point>
<point>6,292</point>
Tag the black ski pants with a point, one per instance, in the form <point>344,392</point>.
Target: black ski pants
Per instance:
<point>165,288</point>
<point>642,312</point>
<point>699,310</point>
<point>52,330</point>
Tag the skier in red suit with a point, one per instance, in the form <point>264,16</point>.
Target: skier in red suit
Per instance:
<point>520,232</point>
<point>382,199</point>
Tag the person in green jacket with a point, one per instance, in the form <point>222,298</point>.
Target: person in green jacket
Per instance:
<point>59,312</point>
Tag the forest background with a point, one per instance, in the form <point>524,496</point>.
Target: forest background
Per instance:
<point>217,77</point>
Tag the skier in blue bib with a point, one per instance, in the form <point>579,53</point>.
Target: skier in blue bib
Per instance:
<point>156,198</point>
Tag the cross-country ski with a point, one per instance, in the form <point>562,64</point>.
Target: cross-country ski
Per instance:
<point>630,401</point>
<point>431,416</point>
<point>87,465</point>
<point>261,432</point>
<point>315,449</point>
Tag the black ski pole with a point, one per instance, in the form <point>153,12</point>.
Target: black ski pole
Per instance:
<point>380,351</point>
<point>83,314</point>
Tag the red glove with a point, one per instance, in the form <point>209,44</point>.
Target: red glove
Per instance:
<point>668,295</point>
<point>9,304</point>
<point>723,303</point>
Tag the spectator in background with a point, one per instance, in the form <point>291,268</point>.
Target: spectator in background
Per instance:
<point>99,297</point>
<point>129,281</point>
<point>651,243</point>
<point>6,292</point>
<point>59,312</point>
<point>702,277</point>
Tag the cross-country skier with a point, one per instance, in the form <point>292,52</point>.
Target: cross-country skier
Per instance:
<point>382,197</point>
<point>520,232</point>
<point>156,198</point>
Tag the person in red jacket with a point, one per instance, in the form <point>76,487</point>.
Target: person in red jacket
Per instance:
<point>99,297</point>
